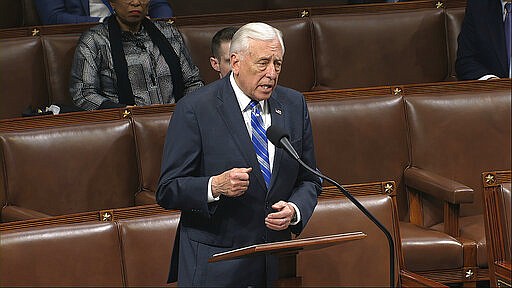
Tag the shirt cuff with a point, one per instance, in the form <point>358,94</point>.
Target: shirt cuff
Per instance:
<point>487,77</point>
<point>297,213</point>
<point>210,193</point>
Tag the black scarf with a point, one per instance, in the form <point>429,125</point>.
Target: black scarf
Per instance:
<point>124,87</point>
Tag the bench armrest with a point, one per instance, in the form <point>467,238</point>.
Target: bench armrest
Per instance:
<point>14,213</point>
<point>438,186</point>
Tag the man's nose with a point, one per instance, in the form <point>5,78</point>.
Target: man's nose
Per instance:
<point>271,71</point>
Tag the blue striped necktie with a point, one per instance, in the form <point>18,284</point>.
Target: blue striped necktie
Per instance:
<point>259,140</point>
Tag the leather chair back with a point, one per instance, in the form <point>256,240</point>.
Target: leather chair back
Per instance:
<point>71,169</point>
<point>11,15</point>
<point>468,135</point>
<point>197,7</point>
<point>85,254</point>
<point>373,49</point>
<point>22,77</point>
<point>361,140</point>
<point>150,131</point>
<point>454,17</point>
<point>147,245</point>
<point>349,264</point>
<point>59,53</point>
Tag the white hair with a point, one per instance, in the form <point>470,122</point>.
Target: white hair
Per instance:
<point>254,31</point>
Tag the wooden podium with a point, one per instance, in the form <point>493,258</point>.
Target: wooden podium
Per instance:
<point>286,252</point>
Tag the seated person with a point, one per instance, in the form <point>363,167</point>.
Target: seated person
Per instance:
<point>79,11</point>
<point>220,50</point>
<point>482,43</point>
<point>131,60</point>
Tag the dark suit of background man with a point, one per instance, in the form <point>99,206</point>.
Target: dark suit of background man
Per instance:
<point>80,11</point>
<point>482,48</point>
<point>211,173</point>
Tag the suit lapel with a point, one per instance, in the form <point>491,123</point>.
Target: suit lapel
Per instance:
<point>496,31</point>
<point>278,115</point>
<point>229,111</point>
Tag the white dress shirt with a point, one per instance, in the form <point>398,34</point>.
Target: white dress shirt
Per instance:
<point>243,101</point>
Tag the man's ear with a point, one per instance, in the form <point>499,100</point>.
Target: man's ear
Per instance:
<point>215,64</point>
<point>235,63</point>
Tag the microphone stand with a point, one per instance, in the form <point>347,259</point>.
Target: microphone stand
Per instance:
<point>366,212</point>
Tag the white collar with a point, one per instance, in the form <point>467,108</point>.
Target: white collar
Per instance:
<point>243,100</point>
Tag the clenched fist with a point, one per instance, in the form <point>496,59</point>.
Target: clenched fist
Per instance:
<point>231,183</point>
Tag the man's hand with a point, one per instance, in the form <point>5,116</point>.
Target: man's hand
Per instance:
<point>281,219</point>
<point>231,183</point>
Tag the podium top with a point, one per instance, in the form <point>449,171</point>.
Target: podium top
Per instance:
<point>290,246</point>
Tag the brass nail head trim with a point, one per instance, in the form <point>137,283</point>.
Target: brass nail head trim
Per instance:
<point>106,216</point>
<point>126,113</point>
<point>469,274</point>
<point>389,188</point>
<point>490,179</point>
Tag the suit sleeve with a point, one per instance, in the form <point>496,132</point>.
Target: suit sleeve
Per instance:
<point>468,65</point>
<point>160,9</point>
<point>308,186</point>
<point>54,12</point>
<point>181,185</point>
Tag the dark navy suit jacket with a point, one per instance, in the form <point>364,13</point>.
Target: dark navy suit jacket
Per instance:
<point>481,42</point>
<point>77,11</point>
<point>207,136</point>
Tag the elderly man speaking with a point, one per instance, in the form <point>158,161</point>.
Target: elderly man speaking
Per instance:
<point>233,187</point>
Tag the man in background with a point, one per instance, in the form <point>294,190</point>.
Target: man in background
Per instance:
<point>80,11</point>
<point>220,50</point>
<point>484,41</point>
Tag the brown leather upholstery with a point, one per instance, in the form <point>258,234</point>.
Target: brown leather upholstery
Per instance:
<point>70,169</point>
<point>424,249</point>
<point>10,16</point>
<point>150,131</point>
<point>85,254</point>
<point>454,17</point>
<point>469,135</point>
<point>361,50</point>
<point>299,69</point>
<point>59,52</point>
<point>147,245</point>
<point>196,7</point>
<point>346,133</point>
<point>349,264</point>
<point>365,139</point>
<point>30,16</point>
<point>22,77</point>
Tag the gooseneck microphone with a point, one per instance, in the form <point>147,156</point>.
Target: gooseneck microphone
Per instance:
<point>279,138</point>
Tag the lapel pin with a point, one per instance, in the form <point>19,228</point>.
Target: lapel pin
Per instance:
<point>278,111</point>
